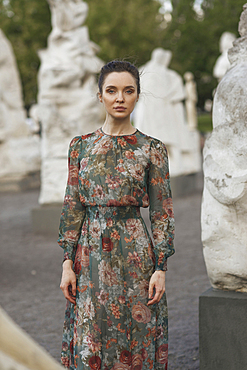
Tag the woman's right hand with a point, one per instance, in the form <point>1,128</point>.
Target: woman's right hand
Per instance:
<point>68,281</point>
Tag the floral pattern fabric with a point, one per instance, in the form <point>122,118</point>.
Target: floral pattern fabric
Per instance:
<point>101,229</point>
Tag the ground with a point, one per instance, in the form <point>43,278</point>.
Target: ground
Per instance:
<point>30,271</point>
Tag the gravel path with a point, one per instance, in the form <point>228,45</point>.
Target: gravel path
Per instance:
<point>30,270</point>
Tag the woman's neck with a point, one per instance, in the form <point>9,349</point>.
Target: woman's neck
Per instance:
<point>117,127</point>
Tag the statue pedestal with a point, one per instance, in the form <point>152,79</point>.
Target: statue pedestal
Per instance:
<point>223,330</point>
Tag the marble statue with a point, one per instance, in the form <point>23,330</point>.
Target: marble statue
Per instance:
<point>18,351</point>
<point>19,149</point>
<point>191,100</point>
<point>67,103</point>
<point>222,63</point>
<point>224,206</point>
<point>160,113</point>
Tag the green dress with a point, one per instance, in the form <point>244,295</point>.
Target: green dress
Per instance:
<point>110,177</point>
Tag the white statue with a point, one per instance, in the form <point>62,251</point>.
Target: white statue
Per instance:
<point>191,100</point>
<point>19,151</point>
<point>160,113</point>
<point>67,103</point>
<point>224,207</point>
<point>222,63</point>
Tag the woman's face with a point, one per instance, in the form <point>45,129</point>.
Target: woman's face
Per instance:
<point>119,94</point>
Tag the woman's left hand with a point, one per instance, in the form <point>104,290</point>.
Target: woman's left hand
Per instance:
<point>157,281</point>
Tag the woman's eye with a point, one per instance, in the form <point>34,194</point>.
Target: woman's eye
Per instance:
<point>129,91</point>
<point>110,91</point>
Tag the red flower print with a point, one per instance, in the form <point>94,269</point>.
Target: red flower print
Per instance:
<point>131,139</point>
<point>94,229</point>
<point>94,344</point>
<point>120,366</point>
<point>136,362</point>
<point>65,362</point>
<point>103,146</point>
<point>125,357</point>
<point>143,287</point>
<point>113,203</point>
<point>74,141</point>
<point>65,346</point>
<point>102,296</point>
<point>158,235</point>
<point>128,200</point>
<point>73,175</point>
<point>162,354</point>
<point>145,200</point>
<point>106,274</point>
<point>168,206</point>
<point>74,154</point>
<point>141,313</point>
<point>71,346</point>
<point>129,154</point>
<point>109,222</point>
<point>98,192</point>
<point>115,235</point>
<point>71,235</point>
<point>121,142</point>
<point>107,245</point>
<point>113,181</point>
<point>156,157</point>
<point>144,353</point>
<point>137,171</point>
<point>95,363</point>
<point>83,163</point>
<point>122,299</point>
<point>134,227</point>
<point>134,259</point>
<point>115,311</point>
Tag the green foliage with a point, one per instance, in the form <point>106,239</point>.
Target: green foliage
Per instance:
<point>194,39</point>
<point>125,28</point>
<point>205,122</point>
<point>27,24</point>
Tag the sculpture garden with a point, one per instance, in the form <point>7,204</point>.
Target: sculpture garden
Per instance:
<point>180,80</point>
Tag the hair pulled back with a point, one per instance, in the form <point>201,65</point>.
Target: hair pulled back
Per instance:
<point>119,66</point>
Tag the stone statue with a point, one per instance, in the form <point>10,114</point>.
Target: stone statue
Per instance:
<point>18,351</point>
<point>224,206</point>
<point>67,103</point>
<point>19,150</point>
<point>191,100</point>
<point>160,113</point>
<point>222,63</point>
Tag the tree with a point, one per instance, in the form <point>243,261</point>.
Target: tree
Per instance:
<point>125,28</point>
<point>27,24</point>
<point>194,39</point>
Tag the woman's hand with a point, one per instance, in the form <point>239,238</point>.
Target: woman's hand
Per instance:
<point>68,281</point>
<point>157,281</point>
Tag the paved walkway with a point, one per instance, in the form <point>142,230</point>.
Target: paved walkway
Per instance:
<point>30,270</point>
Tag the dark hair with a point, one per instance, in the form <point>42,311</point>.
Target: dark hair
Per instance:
<point>119,66</point>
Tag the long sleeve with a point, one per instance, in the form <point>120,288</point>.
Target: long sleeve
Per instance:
<point>161,207</point>
<point>73,211</point>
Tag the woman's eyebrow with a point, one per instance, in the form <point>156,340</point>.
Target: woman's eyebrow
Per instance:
<point>126,87</point>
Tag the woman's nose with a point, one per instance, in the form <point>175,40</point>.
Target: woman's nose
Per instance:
<point>120,97</point>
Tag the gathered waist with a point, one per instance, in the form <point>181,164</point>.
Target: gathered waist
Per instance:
<point>122,212</point>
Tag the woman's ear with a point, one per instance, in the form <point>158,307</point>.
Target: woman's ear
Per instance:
<point>99,96</point>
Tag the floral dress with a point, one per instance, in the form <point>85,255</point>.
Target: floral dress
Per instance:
<point>110,177</point>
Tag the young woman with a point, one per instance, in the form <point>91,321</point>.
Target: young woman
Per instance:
<point>113,275</point>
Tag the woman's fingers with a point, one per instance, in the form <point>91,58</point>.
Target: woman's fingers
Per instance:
<point>157,281</point>
<point>158,295</point>
<point>68,285</point>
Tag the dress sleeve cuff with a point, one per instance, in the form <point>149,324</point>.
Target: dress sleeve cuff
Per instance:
<point>160,265</point>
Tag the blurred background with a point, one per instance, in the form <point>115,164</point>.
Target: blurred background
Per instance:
<point>131,29</point>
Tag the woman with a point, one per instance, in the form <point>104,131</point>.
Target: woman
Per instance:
<point>113,276</point>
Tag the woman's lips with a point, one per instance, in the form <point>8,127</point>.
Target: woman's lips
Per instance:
<point>121,109</point>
